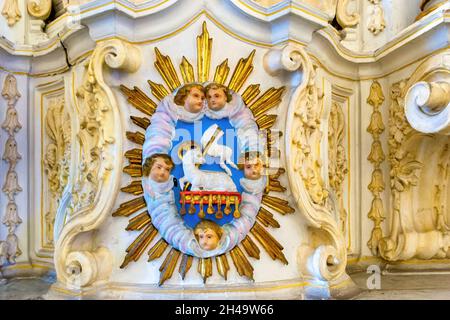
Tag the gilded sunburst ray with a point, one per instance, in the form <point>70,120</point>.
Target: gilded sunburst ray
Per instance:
<point>260,105</point>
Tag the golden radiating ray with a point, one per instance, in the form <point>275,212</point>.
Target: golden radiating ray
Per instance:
<point>135,187</point>
<point>187,71</point>
<point>277,204</point>
<point>185,265</point>
<point>277,174</point>
<point>240,261</point>
<point>134,154</point>
<point>270,142</point>
<point>138,222</point>
<point>268,100</point>
<point>274,185</point>
<point>266,218</point>
<point>272,246</point>
<point>241,72</point>
<point>158,90</point>
<point>204,267</point>
<point>134,170</point>
<point>138,246</point>
<point>167,71</point>
<point>250,93</point>
<point>128,208</point>
<point>134,157</point>
<point>266,121</point>
<point>168,265</point>
<point>222,72</point>
<point>136,137</point>
<point>157,250</point>
<point>204,46</point>
<point>142,122</point>
<point>222,265</point>
<point>138,99</point>
<point>250,247</point>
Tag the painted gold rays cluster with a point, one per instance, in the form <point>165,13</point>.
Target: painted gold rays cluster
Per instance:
<point>259,104</point>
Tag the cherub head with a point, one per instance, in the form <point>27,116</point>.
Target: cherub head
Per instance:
<point>217,96</point>
<point>158,167</point>
<point>252,165</point>
<point>191,97</point>
<point>208,234</point>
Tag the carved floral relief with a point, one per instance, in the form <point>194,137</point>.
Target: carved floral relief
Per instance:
<point>56,159</point>
<point>337,168</point>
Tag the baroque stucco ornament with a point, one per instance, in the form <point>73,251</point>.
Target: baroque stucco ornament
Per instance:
<point>419,136</point>
<point>99,135</point>
<point>56,159</point>
<point>324,258</point>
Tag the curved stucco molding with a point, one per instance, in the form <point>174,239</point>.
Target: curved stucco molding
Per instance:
<point>78,262</point>
<point>324,257</point>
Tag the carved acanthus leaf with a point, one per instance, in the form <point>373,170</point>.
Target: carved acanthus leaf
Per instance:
<point>56,159</point>
<point>404,170</point>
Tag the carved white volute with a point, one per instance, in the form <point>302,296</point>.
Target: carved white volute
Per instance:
<point>428,106</point>
<point>324,257</point>
<point>78,262</point>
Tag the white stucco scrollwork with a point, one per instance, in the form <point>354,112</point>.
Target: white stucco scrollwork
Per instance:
<point>419,160</point>
<point>324,257</point>
<point>277,60</point>
<point>427,107</point>
<point>100,148</point>
<point>83,267</point>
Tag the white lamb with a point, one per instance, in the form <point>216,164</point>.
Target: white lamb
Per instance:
<point>203,180</point>
<point>218,150</point>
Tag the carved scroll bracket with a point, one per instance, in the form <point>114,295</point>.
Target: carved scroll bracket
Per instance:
<point>324,257</point>
<point>100,148</point>
<point>419,163</point>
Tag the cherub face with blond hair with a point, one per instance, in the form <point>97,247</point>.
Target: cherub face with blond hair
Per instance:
<point>217,96</point>
<point>191,97</point>
<point>208,234</point>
